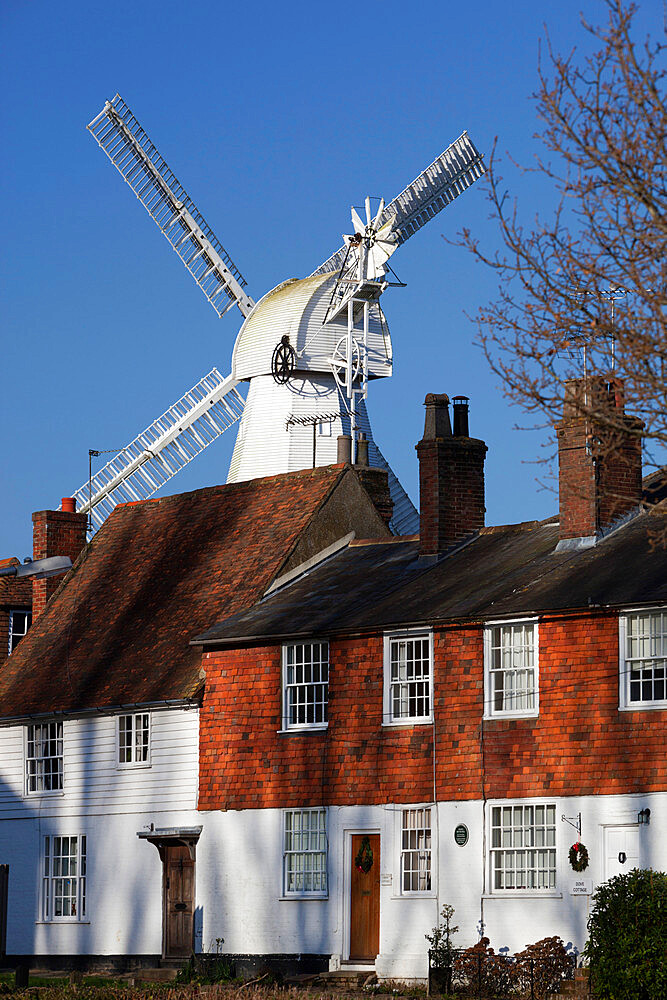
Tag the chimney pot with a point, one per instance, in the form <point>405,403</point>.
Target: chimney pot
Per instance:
<point>460,406</point>
<point>362,450</point>
<point>436,422</point>
<point>68,505</point>
<point>344,452</point>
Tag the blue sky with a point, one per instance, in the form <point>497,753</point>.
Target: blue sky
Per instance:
<point>275,118</point>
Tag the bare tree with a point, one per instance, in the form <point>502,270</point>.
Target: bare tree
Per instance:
<point>585,291</point>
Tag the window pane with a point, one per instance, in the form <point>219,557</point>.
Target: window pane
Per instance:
<point>512,674</point>
<point>305,851</point>
<point>409,678</point>
<point>306,683</point>
<point>523,840</point>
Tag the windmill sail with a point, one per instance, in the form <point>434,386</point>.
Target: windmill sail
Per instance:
<point>130,150</point>
<point>164,448</point>
<point>444,180</point>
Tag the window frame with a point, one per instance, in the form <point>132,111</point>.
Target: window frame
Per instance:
<point>10,629</point>
<point>403,851</point>
<point>526,890</point>
<point>49,879</point>
<point>624,702</point>
<point>490,712</point>
<point>133,764</point>
<point>60,789</point>
<point>299,727</point>
<point>388,718</point>
<point>321,893</point>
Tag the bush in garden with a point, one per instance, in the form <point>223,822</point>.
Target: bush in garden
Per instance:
<point>627,933</point>
<point>441,950</point>
<point>483,972</point>
<point>546,963</point>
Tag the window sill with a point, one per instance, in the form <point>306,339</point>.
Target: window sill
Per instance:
<point>523,894</point>
<point>67,921</point>
<point>296,897</point>
<point>303,730</point>
<point>503,716</point>
<point>44,795</point>
<point>134,767</point>
<point>415,895</point>
<point>648,706</point>
<point>407,723</point>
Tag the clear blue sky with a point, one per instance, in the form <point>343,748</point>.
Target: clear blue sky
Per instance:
<point>275,118</point>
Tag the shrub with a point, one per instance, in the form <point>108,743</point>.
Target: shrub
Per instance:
<point>441,951</point>
<point>542,966</point>
<point>627,933</point>
<point>483,972</point>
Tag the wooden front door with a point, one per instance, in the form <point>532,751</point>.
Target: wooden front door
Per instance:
<point>365,903</point>
<point>179,882</point>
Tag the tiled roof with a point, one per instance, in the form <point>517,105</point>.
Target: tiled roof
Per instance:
<point>503,572</point>
<point>158,572</point>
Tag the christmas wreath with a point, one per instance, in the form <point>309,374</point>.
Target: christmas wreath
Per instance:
<point>364,859</point>
<point>578,857</point>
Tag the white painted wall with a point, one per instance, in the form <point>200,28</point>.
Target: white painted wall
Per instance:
<point>239,894</point>
<point>110,805</point>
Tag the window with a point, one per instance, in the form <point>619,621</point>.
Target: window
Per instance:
<point>511,675</point>
<point>19,623</point>
<point>305,684</point>
<point>44,757</point>
<point>643,659</point>
<point>416,850</point>
<point>407,673</point>
<point>134,738</point>
<point>305,852</point>
<point>64,878</point>
<point>523,847</point>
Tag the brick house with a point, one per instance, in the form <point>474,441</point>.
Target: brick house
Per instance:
<point>473,702</point>
<point>327,737</point>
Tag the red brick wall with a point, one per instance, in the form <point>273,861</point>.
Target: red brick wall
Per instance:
<point>451,491</point>
<point>54,533</point>
<point>580,743</point>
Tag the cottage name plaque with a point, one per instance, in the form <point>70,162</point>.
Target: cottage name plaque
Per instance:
<point>385,878</point>
<point>461,835</point>
<point>581,886</point>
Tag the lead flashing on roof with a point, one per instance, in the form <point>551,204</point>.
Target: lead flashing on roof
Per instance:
<point>304,567</point>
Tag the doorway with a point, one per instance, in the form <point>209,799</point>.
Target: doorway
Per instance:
<point>621,849</point>
<point>365,899</point>
<point>178,901</point>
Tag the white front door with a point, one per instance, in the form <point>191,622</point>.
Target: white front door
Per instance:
<point>621,850</point>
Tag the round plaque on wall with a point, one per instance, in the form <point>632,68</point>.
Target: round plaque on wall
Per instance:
<point>461,835</point>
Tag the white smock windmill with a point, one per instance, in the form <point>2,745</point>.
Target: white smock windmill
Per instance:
<point>307,349</point>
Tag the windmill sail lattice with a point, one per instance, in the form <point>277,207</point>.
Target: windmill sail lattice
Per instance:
<point>130,150</point>
<point>164,448</point>
<point>444,180</point>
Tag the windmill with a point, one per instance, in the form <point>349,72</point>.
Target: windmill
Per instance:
<point>307,349</point>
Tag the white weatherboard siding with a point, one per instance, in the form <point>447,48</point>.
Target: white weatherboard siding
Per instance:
<point>93,781</point>
<point>109,805</point>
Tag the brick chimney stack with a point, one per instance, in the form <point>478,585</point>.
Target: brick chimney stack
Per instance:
<point>55,533</point>
<point>451,477</point>
<point>599,460</point>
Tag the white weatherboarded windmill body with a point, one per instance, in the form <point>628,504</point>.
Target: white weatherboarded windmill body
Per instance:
<point>308,348</point>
